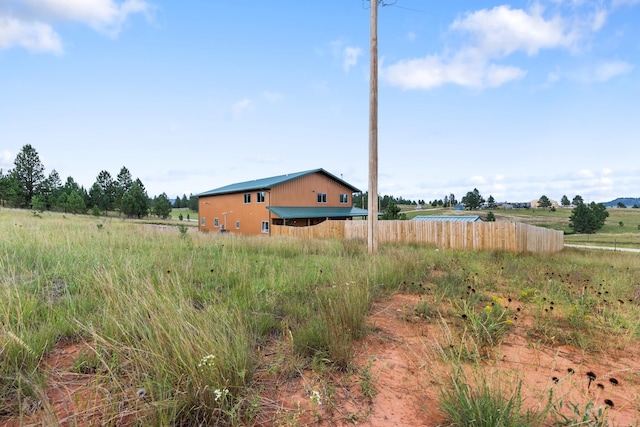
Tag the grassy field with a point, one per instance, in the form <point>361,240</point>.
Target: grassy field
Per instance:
<point>175,322</point>
<point>621,229</point>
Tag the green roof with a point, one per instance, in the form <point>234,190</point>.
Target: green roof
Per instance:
<point>267,183</point>
<point>287,212</point>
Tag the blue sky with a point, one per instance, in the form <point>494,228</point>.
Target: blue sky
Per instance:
<point>517,99</point>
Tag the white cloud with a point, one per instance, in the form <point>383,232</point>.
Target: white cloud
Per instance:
<point>6,160</point>
<point>616,3</point>
<point>273,96</point>
<point>585,173</point>
<point>602,185</point>
<point>30,24</point>
<point>501,31</point>
<point>351,55</point>
<point>411,36</point>
<point>552,78</point>
<point>599,19</point>
<point>466,69</point>
<point>103,15</point>
<point>347,55</point>
<point>242,107</point>
<point>489,36</point>
<point>608,70</point>
<point>606,181</point>
<point>33,36</point>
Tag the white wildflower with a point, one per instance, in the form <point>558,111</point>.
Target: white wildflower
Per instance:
<point>315,398</point>
<point>220,393</point>
<point>207,361</point>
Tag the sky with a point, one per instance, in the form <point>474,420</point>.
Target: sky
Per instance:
<point>518,99</point>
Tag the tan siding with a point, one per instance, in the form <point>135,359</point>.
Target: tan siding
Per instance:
<point>487,236</point>
<point>304,192</point>
<point>250,215</point>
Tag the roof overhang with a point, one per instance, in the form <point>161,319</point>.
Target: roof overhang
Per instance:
<point>265,184</point>
<point>287,212</point>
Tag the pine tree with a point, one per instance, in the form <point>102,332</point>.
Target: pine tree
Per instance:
<point>162,206</point>
<point>588,219</point>
<point>29,171</point>
<point>122,184</point>
<point>544,202</point>
<point>491,203</point>
<point>473,200</point>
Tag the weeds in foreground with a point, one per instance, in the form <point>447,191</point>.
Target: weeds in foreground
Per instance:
<point>345,309</point>
<point>367,382</point>
<point>579,416</point>
<point>486,402</point>
<point>488,327</point>
<point>154,305</point>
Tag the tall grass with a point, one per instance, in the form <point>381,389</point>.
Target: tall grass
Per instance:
<point>482,401</point>
<point>176,321</point>
<point>177,315</point>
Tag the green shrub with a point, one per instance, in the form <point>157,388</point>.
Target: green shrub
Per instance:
<point>485,402</point>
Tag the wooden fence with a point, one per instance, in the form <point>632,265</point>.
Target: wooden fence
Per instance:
<point>486,236</point>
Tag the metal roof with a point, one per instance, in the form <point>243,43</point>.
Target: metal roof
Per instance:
<point>457,218</point>
<point>267,183</point>
<point>287,212</point>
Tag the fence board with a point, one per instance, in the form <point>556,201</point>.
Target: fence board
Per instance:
<point>484,236</point>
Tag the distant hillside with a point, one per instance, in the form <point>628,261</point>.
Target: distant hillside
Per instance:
<point>628,202</point>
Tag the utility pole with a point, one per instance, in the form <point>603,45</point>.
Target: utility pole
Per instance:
<point>372,202</point>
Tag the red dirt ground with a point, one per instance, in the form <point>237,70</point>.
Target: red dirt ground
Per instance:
<point>406,373</point>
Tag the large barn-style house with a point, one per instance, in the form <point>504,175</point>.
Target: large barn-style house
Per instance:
<point>296,199</point>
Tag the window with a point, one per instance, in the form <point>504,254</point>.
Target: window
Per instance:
<point>344,198</point>
<point>247,197</point>
<point>202,222</point>
<point>322,197</point>
<point>260,197</point>
<point>215,222</point>
<point>237,225</point>
<point>265,226</point>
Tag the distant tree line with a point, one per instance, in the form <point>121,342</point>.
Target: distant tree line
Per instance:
<point>26,186</point>
<point>184,202</point>
<point>361,200</point>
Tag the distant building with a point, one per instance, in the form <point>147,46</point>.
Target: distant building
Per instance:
<point>296,199</point>
<point>516,205</point>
